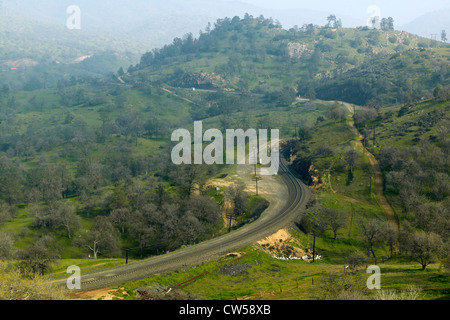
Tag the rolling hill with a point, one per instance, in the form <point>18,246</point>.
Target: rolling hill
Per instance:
<point>256,55</point>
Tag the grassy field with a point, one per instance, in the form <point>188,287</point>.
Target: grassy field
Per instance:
<point>268,278</point>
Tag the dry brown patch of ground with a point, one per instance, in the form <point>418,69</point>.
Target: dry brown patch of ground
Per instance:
<point>101,294</point>
<point>281,244</point>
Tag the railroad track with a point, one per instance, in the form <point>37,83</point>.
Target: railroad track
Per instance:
<point>186,258</point>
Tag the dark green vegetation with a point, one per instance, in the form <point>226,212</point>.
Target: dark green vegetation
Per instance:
<point>85,164</point>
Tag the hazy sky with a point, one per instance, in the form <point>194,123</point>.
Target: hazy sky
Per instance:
<point>403,11</point>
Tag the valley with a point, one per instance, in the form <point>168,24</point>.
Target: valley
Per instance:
<point>87,178</point>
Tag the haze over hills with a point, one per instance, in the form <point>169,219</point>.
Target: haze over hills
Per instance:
<point>30,48</point>
<point>24,37</point>
<point>403,11</point>
<point>430,23</point>
<point>155,23</point>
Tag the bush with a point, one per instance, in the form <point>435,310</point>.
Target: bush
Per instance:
<point>411,293</point>
<point>356,259</point>
<point>14,287</point>
<point>446,264</point>
<point>393,39</point>
<point>341,287</point>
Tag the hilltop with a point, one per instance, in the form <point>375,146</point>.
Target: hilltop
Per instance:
<point>256,55</point>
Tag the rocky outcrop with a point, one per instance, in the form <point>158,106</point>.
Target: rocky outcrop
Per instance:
<point>199,80</point>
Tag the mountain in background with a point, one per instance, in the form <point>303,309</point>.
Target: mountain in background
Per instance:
<point>430,23</point>
<point>26,38</point>
<point>155,23</point>
<point>30,48</point>
<point>152,23</point>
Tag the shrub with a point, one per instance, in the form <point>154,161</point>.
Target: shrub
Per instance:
<point>14,287</point>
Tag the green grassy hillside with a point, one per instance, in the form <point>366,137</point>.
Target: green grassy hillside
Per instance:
<point>359,66</point>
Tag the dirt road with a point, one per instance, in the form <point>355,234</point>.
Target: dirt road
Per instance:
<point>378,181</point>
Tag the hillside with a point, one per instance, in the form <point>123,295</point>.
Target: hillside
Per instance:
<point>258,56</point>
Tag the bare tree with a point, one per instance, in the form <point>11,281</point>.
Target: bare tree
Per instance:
<point>432,217</point>
<point>350,157</point>
<point>426,248</point>
<point>237,197</point>
<point>65,217</point>
<point>101,239</point>
<point>191,228</point>
<point>205,209</point>
<point>57,216</point>
<point>337,112</point>
<point>446,264</point>
<point>6,245</point>
<point>120,217</point>
<point>36,259</point>
<point>341,287</point>
<point>404,236</point>
<point>373,234</point>
<point>334,220</point>
<point>391,236</point>
<point>187,177</point>
<point>141,230</point>
<point>410,199</point>
<point>51,185</point>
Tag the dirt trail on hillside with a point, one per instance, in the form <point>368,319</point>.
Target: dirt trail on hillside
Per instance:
<point>176,95</point>
<point>390,214</point>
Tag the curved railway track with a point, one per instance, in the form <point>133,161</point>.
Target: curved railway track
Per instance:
<point>212,249</point>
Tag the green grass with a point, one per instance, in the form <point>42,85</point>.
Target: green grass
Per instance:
<point>267,275</point>
<point>59,268</point>
<point>400,131</point>
<point>272,279</point>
